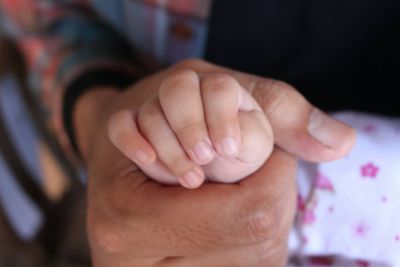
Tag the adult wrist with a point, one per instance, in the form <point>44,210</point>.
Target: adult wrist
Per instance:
<point>90,80</point>
<point>88,112</point>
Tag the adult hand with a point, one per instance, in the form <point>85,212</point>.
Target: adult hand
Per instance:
<point>299,128</point>
<point>134,221</point>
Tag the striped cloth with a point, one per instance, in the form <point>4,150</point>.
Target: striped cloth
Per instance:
<point>63,40</point>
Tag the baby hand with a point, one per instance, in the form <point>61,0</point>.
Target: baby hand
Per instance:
<point>197,126</point>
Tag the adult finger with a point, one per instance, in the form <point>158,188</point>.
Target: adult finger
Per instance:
<point>299,127</point>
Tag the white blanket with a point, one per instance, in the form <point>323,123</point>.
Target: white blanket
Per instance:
<point>351,207</point>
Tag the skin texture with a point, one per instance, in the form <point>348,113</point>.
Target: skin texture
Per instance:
<point>134,221</point>
<point>187,112</point>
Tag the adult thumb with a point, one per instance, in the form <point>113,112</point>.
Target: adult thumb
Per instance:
<point>299,128</point>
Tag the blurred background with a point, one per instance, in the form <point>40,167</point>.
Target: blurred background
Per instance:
<point>42,201</point>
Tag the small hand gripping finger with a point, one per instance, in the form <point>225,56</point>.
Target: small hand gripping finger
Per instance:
<point>223,98</point>
<point>124,134</point>
<point>155,128</point>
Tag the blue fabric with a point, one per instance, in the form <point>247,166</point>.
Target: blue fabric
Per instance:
<point>24,216</point>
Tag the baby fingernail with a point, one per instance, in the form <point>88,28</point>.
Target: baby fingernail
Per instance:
<point>203,151</point>
<point>192,179</point>
<point>230,146</point>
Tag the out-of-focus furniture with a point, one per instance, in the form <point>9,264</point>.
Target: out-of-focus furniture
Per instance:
<point>61,241</point>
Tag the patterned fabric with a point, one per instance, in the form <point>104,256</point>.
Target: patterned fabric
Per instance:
<point>350,207</point>
<point>64,39</point>
<point>167,30</point>
<point>25,217</point>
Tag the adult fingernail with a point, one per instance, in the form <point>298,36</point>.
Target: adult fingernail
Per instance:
<point>327,130</point>
<point>192,179</point>
<point>203,152</point>
<point>230,146</point>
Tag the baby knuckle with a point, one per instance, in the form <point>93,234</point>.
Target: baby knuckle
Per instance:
<point>118,117</point>
<point>215,83</point>
<point>148,117</point>
<point>113,124</point>
<point>147,122</point>
<point>187,125</point>
<point>176,80</point>
<point>179,164</point>
<point>116,124</point>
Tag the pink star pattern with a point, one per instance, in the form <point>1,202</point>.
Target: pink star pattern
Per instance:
<point>323,207</point>
<point>361,229</point>
<point>307,210</point>
<point>324,183</point>
<point>370,128</point>
<point>309,217</point>
<point>331,209</point>
<point>301,203</point>
<point>369,170</point>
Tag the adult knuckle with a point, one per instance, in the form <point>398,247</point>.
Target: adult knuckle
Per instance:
<point>273,95</point>
<point>261,226</point>
<point>278,95</point>
<point>263,217</point>
<point>281,85</point>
